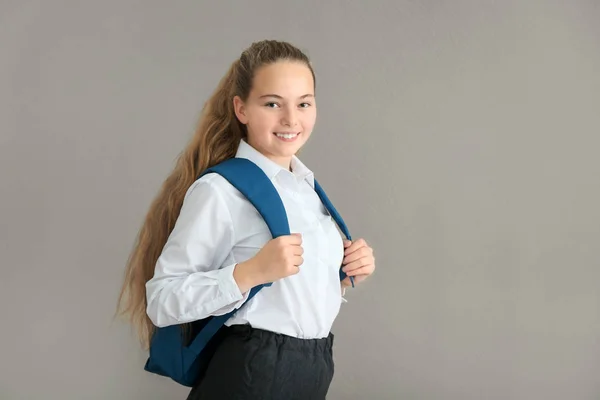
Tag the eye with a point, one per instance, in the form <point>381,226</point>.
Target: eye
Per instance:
<point>271,105</point>
<point>305,105</point>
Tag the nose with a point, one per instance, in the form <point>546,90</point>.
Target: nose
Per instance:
<point>289,117</point>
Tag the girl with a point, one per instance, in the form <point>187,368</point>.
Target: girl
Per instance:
<point>203,246</point>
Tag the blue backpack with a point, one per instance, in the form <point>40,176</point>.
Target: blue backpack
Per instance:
<point>183,354</point>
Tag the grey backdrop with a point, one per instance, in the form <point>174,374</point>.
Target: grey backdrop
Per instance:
<point>460,138</point>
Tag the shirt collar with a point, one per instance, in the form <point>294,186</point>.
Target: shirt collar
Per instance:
<point>271,168</point>
<point>302,172</point>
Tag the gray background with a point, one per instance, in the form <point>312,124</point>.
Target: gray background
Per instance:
<point>460,138</point>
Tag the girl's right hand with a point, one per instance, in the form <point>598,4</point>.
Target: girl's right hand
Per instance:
<point>279,258</point>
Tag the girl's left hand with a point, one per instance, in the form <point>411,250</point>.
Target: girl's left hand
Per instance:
<point>359,261</point>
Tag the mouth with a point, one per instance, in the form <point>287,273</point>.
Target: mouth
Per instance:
<point>287,136</point>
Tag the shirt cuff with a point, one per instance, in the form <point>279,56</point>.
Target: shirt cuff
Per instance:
<point>231,290</point>
<point>343,294</point>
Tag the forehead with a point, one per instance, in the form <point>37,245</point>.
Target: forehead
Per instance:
<point>284,78</point>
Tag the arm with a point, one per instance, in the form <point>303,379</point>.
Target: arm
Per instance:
<point>188,283</point>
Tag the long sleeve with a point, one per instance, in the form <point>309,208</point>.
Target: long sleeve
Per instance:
<point>190,281</point>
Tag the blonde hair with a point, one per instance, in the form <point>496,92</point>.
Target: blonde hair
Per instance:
<point>215,140</point>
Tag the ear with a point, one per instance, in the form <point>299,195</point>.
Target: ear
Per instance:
<point>240,110</point>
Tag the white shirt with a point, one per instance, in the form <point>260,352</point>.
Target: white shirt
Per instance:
<point>218,228</point>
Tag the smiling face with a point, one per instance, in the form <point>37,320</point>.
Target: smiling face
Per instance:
<point>280,111</point>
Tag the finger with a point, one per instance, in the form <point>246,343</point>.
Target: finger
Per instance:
<point>355,265</point>
<point>347,243</point>
<point>298,261</point>
<point>360,253</point>
<point>355,246</point>
<point>295,239</point>
<point>298,250</point>
<point>362,271</point>
<point>359,278</point>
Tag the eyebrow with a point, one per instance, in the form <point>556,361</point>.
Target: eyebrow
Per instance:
<point>279,97</point>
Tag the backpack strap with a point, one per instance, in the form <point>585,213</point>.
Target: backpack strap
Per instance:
<point>256,186</point>
<point>338,220</point>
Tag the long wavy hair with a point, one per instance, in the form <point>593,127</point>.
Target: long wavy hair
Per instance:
<point>215,140</point>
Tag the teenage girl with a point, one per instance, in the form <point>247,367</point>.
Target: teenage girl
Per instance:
<point>203,246</point>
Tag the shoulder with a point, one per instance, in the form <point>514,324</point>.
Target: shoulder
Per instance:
<point>213,185</point>
<point>212,197</point>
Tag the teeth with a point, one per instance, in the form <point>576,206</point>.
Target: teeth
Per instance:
<point>286,135</point>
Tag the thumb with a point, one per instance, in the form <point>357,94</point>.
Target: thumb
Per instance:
<point>297,238</point>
